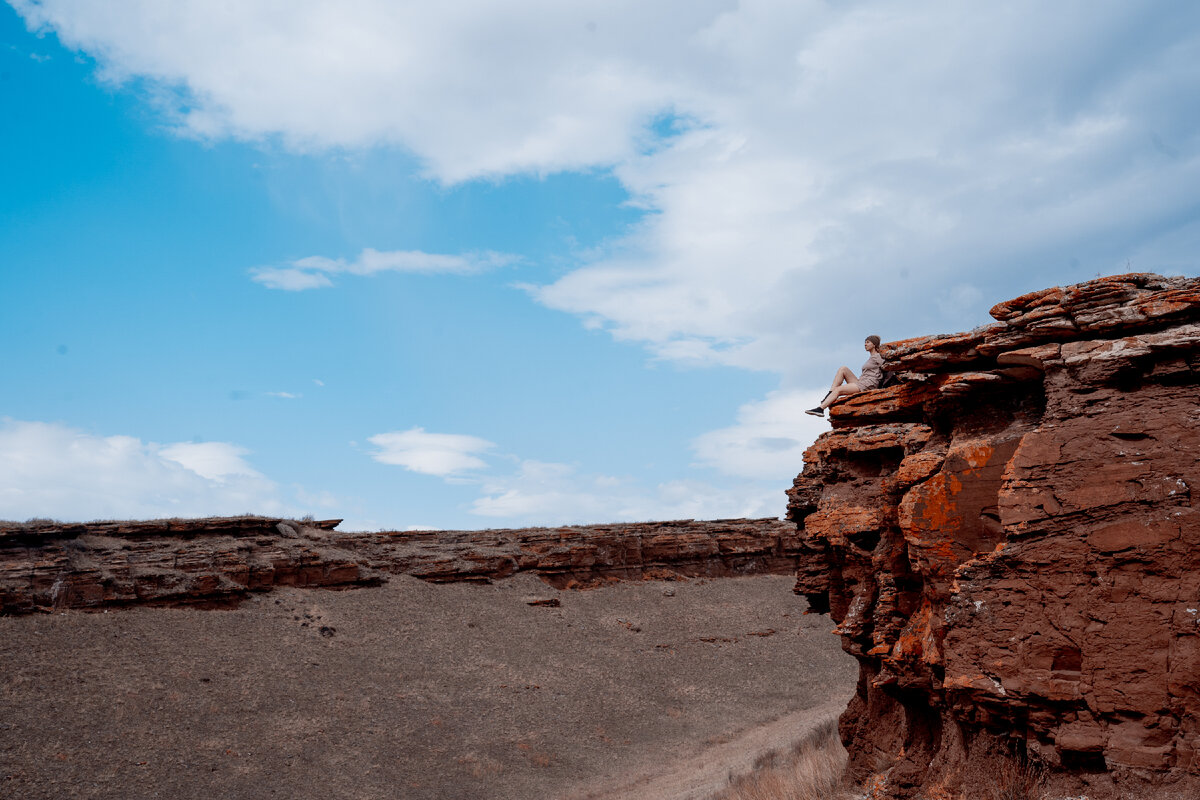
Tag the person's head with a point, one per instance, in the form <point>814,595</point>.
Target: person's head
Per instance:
<point>872,343</point>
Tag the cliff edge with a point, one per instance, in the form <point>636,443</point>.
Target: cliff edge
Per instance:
<point>1009,544</point>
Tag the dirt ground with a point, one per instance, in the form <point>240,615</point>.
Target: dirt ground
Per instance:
<point>415,690</point>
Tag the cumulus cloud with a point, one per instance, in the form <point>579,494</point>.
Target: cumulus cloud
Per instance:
<point>879,159</point>
<point>52,470</point>
<point>215,461</point>
<point>314,272</point>
<point>473,87</point>
<point>445,455</point>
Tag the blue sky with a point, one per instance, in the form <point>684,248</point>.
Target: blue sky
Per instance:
<point>493,264</point>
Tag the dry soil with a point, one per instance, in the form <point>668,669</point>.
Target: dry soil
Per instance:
<point>415,690</point>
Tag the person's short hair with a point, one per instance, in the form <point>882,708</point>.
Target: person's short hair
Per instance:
<point>873,339</point>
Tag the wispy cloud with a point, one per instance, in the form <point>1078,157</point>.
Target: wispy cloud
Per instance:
<point>446,455</point>
<point>290,279</point>
<point>315,272</point>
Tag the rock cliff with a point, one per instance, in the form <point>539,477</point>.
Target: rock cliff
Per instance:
<point>1009,544</point>
<point>52,566</point>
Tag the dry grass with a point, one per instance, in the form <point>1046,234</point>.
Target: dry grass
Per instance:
<point>813,770</point>
<point>1019,780</point>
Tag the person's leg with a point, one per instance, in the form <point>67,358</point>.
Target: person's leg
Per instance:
<point>843,375</point>
<point>844,382</point>
<point>840,391</point>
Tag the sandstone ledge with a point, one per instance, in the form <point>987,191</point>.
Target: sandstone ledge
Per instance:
<point>51,566</point>
<point>1010,545</point>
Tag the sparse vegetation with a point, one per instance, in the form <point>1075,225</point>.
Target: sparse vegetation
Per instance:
<point>33,522</point>
<point>813,770</point>
<point>1021,779</point>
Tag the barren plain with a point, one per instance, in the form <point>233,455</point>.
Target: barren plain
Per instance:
<point>410,689</point>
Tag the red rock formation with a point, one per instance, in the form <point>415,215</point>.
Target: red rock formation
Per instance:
<point>1009,543</point>
<point>213,561</point>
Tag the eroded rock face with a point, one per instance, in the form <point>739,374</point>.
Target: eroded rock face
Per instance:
<point>1009,543</point>
<point>214,561</point>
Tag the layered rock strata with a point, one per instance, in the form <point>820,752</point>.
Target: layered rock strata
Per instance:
<point>214,561</point>
<point>1009,543</point>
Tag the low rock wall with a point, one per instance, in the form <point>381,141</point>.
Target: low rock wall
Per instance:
<point>213,561</point>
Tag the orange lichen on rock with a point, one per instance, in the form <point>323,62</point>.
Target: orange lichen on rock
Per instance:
<point>917,641</point>
<point>836,523</point>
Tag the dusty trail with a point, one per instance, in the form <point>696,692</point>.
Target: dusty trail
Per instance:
<point>705,773</point>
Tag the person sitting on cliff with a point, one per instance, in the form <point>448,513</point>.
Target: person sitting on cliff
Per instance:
<point>845,382</point>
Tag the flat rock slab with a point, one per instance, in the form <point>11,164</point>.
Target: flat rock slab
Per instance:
<point>409,689</point>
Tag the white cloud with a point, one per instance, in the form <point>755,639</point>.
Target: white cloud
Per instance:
<point>542,493</point>
<point>314,272</point>
<point>839,166</point>
<point>290,279</point>
<point>51,470</point>
<point>284,395</point>
<point>473,87</point>
<point>875,159</point>
<point>769,439</point>
<point>216,461</point>
<point>443,454</point>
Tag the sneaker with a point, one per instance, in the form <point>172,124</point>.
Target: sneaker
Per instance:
<point>816,412</point>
